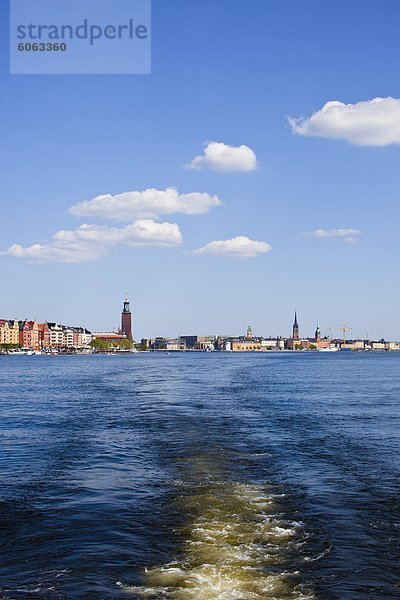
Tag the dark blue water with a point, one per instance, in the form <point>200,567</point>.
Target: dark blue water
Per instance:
<point>200,476</point>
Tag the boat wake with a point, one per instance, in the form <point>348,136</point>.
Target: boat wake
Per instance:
<point>237,545</point>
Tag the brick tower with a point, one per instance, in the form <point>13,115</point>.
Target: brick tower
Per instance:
<point>126,320</point>
<point>295,328</point>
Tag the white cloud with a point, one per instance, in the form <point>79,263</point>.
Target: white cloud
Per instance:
<point>237,247</point>
<point>62,252</point>
<point>149,204</point>
<point>221,157</point>
<point>369,123</point>
<point>89,242</point>
<point>349,234</point>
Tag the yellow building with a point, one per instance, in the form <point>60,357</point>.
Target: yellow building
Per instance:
<point>9,332</point>
<point>245,345</point>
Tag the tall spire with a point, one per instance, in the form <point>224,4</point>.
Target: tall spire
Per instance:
<point>317,332</point>
<point>296,334</point>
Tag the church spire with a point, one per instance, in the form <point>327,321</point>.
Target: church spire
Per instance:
<point>317,332</point>
<point>295,327</point>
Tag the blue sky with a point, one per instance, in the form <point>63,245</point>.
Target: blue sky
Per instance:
<point>230,71</point>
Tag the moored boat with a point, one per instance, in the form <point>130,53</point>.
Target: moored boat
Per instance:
<point>329,349</point>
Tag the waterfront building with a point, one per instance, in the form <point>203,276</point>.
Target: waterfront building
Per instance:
<point>168,344</point>
<point>358,345</point>
<point>13,332</point>
<point>175,345</point>
<point>224,342</point>
<point>298,344</point>
<point>9,332</point>
<point>207,343</point>
<point>381,345</point>
<point>270,344</point>
<point>30,336</point>
<point>392,346</point>
<point>324,342</point>
<point>126,321</point>
<point>68,338</point>
<point>199,342</point>
<point>190,340</point>
<point>53,335</point>
<point>82,337</point>
<point>46,335</point>
<point>245,345</point>
<point>280,343</point>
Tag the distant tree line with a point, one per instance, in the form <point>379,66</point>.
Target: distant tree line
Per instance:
<point>101,345</point>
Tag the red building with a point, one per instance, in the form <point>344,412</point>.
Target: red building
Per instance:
<point>30,335</point>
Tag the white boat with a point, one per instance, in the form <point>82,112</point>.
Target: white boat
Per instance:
<point>17,352</point>
<point>329,349</point>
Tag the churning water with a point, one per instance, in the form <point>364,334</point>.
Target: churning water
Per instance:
<point>200,476</point>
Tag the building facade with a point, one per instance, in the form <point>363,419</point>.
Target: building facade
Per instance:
<point>30,337</point>
<point>9,332</point>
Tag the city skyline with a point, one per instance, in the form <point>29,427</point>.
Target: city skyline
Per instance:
<point>217,205</point>
<point>128,321</point>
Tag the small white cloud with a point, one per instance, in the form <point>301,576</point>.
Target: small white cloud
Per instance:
<point>349,234</point>
<point>148,204</point>
<point>237,247</point>
<point>221,157</point>
<point>62,252</point>
<point>89,242</point>
<point>373,122</point>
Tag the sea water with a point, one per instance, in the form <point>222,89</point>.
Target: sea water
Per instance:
<point>200,476</point>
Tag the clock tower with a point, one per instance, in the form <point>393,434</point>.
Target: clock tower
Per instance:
<point>126,320</point>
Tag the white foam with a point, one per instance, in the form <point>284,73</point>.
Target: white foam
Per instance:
<point>234,537</point>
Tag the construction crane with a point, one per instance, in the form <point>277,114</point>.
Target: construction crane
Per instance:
<point>343,330</point>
